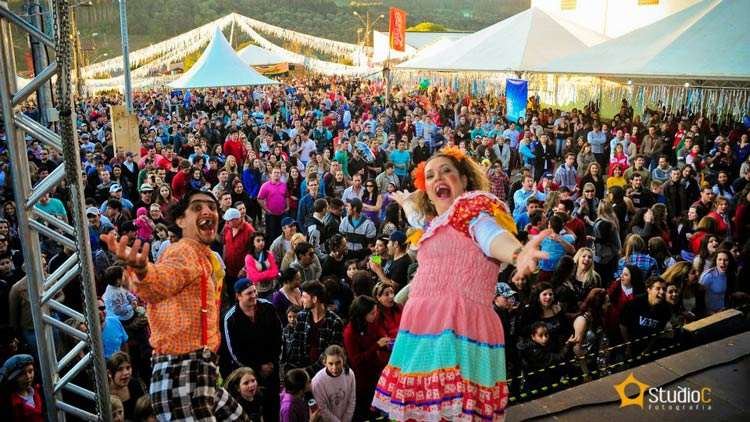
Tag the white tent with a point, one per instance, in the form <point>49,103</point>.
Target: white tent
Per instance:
<point>415,42</point>
<point>708,40</point>
<point>220,66</point>
<point>257,56</point>
<point>518,43</point>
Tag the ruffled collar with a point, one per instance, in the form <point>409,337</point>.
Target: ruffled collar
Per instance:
<point>443,219</point>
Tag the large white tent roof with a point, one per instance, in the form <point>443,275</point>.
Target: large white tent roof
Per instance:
<point>220,66</point>
<point>518,43</point>
<point>708,40</point>
<point>257,56</point>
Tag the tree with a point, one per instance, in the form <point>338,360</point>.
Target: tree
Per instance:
<point>427,27</point>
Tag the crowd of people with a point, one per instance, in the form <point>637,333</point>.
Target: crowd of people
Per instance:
<point>644,222</point>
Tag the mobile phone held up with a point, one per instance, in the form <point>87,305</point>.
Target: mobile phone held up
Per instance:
<point>313,405</point>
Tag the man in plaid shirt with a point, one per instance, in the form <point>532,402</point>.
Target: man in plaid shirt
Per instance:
<point>316,329</point>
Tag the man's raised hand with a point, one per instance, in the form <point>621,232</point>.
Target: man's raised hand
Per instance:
<point>135,256</point>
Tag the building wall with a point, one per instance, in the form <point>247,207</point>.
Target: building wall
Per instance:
<point>612,17</point>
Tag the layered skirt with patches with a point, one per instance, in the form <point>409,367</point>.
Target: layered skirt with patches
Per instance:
<point>448,362</point>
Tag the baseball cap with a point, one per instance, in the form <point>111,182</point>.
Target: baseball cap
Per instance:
<point>504,289</point>
<point>287,221</point>
<point>231,214</point>
<point>146,188</point>
<point>241,284</point>
<point>398,236</point>
<point>115,188</point>
<point>548,175</point>
<point>92,211</point>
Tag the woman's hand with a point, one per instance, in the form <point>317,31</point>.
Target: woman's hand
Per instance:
<point>383,341</point>
<point>528,259</point>
<point>401,197</point>
<point>135,257</point>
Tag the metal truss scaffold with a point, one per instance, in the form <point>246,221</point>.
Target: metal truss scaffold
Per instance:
<point>57,374</point>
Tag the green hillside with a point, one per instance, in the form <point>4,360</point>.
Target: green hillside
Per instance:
<point>153,21</point>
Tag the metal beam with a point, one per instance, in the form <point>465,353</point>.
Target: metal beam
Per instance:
<point>43,77</point>
<point>32,222</point>
<point>39,132</point>
<point>6,13</point>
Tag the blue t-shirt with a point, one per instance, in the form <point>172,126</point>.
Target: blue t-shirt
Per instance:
<point>113,336</point>
<point>554,250</point>
<point>400,160</point>
<point>715,283</point>
<point>54,207</point>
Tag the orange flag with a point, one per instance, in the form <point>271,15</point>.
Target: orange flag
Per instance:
<point>397,29</point>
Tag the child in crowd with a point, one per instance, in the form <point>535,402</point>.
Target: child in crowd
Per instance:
<point>537,355</point>
<point>143,411</point>
<point>21,400</point>
<point>144,225</point>
<point>334,386</point>
<point>161,237</point>
<point>118,300</point>
<point>293,405</point>
<point>118,411</point>
<point>287,333</point>
<point>242,384</point>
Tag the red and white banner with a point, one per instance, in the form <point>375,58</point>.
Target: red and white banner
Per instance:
<point>397,29</point>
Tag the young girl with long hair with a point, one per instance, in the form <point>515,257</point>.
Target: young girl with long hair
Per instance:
<point>621,291</point>
<point>260,266</point>
<point>242,384</point>
<point>367,351</point>
<point>589,337</point>
<point>389,312</point>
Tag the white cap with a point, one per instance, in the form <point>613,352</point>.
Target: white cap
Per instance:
<point>231,214</point>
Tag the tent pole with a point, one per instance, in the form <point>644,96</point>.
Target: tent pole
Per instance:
<point>125,56</point>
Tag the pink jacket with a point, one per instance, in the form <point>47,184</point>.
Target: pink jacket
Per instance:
<point>258,277</point>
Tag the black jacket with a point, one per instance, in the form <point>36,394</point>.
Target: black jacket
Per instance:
<point>247,343</point>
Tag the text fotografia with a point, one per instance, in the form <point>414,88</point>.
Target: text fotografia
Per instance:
<point>678,399</point>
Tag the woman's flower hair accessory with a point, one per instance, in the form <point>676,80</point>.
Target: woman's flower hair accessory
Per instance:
<point>417,174</point>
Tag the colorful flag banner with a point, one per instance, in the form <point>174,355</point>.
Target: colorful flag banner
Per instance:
<point>516,96</point>
<point>397,29</point>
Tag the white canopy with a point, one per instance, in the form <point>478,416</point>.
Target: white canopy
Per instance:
<point>708,40</point>
<point>220,66</point>
<point>518,43</point>
<point>257,56</point>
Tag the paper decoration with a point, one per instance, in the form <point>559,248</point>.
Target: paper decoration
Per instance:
<point>150,63</point>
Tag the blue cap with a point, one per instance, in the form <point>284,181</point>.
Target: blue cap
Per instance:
<point>504,289</point>
<point>398,236</point>
<point>13,366</point>
<point>241,284</point>
<point>287,221</point>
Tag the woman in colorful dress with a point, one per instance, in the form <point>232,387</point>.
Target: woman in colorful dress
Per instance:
<point>448,361</point>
